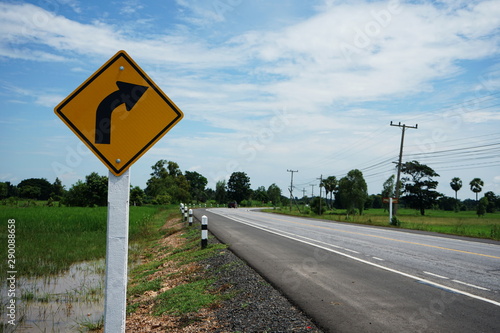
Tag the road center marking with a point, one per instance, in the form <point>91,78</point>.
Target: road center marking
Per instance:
<point>439,276</point>
<point>470,285</point>
<point>386,238</point>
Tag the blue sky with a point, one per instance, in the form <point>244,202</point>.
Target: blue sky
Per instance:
<point>265,86</point>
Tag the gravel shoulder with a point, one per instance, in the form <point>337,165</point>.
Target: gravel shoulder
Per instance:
<point>256,305</point>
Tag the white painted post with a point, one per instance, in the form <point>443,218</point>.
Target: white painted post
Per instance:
<point>204,231</point>
<point>185,214</point>
<point>117,252</point>
<point>390,210</point>
<point>190,217</point>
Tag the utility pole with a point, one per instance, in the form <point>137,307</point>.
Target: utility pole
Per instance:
<point>320,186</point>
<point>291,187</point>
<point>398,181</point>
<point>303,192</point>
<point>312,190</point>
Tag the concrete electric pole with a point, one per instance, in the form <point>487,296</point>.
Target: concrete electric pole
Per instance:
<point>291,187</point>
<point>398,178</point>
<point>320,186</point>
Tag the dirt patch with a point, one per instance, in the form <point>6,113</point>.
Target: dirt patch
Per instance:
<point>171,275</point>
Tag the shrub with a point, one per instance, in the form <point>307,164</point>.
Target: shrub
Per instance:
<point>315,205</point>
<point>395,221</point>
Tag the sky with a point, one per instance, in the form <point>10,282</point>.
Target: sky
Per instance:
<point>265,87</point>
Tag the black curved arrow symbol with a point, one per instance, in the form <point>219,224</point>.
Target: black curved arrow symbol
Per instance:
<point>127,93</point>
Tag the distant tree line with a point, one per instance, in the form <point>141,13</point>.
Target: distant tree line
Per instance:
<point>418,188</point>
<point>168,184</point>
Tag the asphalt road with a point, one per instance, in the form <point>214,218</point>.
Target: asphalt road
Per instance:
<point>352,278</point>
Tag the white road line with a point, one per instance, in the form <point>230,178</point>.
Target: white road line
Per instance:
<point>379,259</point>
<point>439,276</point>
<point>470,285</point>
<point>351,250</point>
<point>438,285</point>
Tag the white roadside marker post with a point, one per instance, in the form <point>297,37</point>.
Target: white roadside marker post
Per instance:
<point>117,252</point>
<point>390,210</point>
<point>204,231</point>
<point>190,217</point>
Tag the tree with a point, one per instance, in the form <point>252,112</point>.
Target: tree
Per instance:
<point>136,196</point>
<point>4,190</point>
<point>492,201</point>
<point>260,194</point>
<point>352,191</point>
<point>30,192</point>
<point>167,179</point>
<point>456,185</point>
<point>39,188</point>
<point>419,187</point>
<point>92,192</point>
<point>220,192</point>
<point>476,185</point>
<point>388,189</point>
<point>97,189</point>
<point>197,185</point>
<point>318,205</point>
<point>448,203</point>
<point>238,186</point>
<point>76,195</point>
<point>57,190</point>
<point>274,194</point>
<point>330,185</point>
<point>481,207</point>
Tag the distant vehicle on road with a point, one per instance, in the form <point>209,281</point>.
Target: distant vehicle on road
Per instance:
<point>232,204</point>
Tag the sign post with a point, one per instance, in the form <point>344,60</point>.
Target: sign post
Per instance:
<point>119,113</point>
<point>117,252</point>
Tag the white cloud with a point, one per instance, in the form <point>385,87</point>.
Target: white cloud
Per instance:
<point>27,24</point>
<point>48,100</point>
<point>130,7</point>
<point>416,44</point>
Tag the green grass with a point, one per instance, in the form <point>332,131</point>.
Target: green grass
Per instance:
<point>140,288</point>
<point>87,325</point>
<point>190,296</point>
<point>50,239</point>
<point>465,223</point>
<point>185,298</point>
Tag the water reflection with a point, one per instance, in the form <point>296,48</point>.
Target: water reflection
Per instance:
<point>65,303</point>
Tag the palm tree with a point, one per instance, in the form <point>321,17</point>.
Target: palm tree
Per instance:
<point>330,185</point>
<point>476,185</point>
<point>456,185</point>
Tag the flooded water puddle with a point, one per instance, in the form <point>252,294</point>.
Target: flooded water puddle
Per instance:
<point>70,302</point>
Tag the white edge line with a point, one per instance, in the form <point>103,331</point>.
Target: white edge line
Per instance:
<point>373,264</point>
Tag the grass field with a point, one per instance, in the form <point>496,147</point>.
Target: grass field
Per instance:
<point>50,239</point>
<point>456,223</point>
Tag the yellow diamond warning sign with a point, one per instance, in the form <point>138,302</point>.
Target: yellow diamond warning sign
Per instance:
<point>119,113</point>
